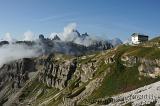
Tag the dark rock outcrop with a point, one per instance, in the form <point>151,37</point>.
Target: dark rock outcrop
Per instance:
<point>3,43</point>
<point>16,72</point>
<point>146,67</point>
<point>56,37</point>
<point>55,73</point>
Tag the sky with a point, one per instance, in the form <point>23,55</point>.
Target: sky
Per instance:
<point>105,18</point>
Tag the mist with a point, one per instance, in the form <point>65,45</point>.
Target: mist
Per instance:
<point>13,52</point>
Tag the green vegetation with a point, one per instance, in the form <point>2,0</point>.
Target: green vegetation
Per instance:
<point>122,82</point>
<point>73,83</point>
<point>122,79</point>
<point>128,104</point>
<point>76,92</point>
<point>146,52</point>
<point>86,60</point>
<point>139,51</point>
<point>37,90</point>
<point>102,67</point>
<point>30,90</point>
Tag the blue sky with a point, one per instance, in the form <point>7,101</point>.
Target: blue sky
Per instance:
<point>107,18</point>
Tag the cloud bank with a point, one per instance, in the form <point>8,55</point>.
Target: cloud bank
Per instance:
<point>13,52</point>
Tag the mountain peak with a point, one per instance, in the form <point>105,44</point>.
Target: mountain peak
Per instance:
<point>56,37</point>
<point>77,32</point>
<point>83,36</point>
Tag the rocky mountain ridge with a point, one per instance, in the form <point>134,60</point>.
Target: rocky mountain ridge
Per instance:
<point>47,46</point>
<point>64,80</point>
<point>94,79</point>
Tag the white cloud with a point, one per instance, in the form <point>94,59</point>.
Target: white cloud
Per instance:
<point>13,52</point>
<point>68,34</point>
<point>8,37</point>
<point>28,36</point>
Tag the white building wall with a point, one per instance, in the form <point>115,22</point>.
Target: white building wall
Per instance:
<point>135,40</point>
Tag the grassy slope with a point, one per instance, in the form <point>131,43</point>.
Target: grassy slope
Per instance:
<point>37,90</point>
<point>122,79</point>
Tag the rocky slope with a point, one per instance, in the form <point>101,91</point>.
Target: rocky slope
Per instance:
<point>149,94</point>
<point>94,79</point>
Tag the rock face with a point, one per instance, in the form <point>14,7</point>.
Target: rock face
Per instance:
<point>3,43</point>
<point>13,77</point>
<point>69,47</point>
<point>146,67</point>
<point>16,72</point>
<point>57,74</point>
<point>52,72</point>
<point>56,38</point>
<point>85,93</point>
<point>89,70</point>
